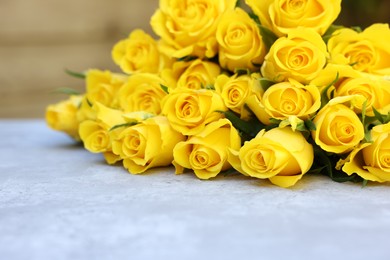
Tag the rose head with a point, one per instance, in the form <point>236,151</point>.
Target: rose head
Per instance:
<point>338,128</point>
<point>142,92</point>
<point>371,161</point>
<point>240,42</point>
<point>103,86</point>
<point>285,99</point>
<point>367,51</point>
<point>63,116</point>
<point>280,155</point>
<point>301,55</point>
<point>206,153</point>
<point>187,27</point>
<point>236,90</point>
<point>189,111</point>
<point>138,53</point>
<point>147,144</point>
<point>281,16</point>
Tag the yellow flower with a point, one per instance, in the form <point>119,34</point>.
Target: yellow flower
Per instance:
<point>97,135</point>
<point>281,16</point>
<point>147,144</point>
<point>301,56</point>
<point>240,42</point>
<point>371,161</point>
<point>206,153</point>
<point>338,128</point>
<point>142,92</point>
<point>197,74</point>
<point>63,116</point>
<point>187,27</point>
<point>188,111</point>
<point>374,89</point>
<point>235,91</point>
<point>280,155</point>
<point>85,110</point>
<point>376,93</point>
<point>332,73</point>
<point>138,53</point>
<point>285,99</point>
<point>367,51</point>
<point>102,87</point>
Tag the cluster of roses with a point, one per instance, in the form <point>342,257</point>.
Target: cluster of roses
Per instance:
<point>271,89</point>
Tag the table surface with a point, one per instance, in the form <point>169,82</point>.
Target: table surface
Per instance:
<point>58,201</point>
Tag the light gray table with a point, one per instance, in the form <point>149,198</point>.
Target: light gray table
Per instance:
<point>57,201</point>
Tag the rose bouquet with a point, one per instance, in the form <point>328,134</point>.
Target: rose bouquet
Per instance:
<point>271,89</point>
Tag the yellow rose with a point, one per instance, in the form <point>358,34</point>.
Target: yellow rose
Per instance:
<point>123,143</point>
<point>197,74</point>
<point>63,116</point>
<point>367,51</point>
<point>85,110</point>
<point>187,27</point>
<point>142,92</point>
<point>373,88</point>
<point>147,144</point>
<point>285,99</point>
<point>240,42</point>
<point>280,155</point>
<point>235,91</point>
<point>371,161</point>
<point>138,53</point>
<point>206,153</point>
<point>97,135</point>
<point>338,128</point>
<point>376,93</point>
<point>102,87</point>
<point>332,73</point>
<point>301,56</point>
<point>282,16</point>
<point>188,111</point>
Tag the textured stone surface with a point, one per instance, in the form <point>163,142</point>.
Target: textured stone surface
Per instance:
<point>57,201</point>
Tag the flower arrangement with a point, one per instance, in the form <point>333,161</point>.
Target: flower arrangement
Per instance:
<point>271,89</point>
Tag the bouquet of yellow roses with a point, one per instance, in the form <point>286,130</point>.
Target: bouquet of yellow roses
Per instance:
<point>271,89</point>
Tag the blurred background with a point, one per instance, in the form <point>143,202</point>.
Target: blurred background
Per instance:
<point>39,39</point>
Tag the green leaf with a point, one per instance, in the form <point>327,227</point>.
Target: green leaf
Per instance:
<point>301,127</point>
<point>165,88</point>
<point>275,121</point>
<point>238,3</point>
<point>265,83</point>
<point>230,172</point>
<point>123,125</point>
<point>324,95</point>
<point>382,118</point>
<point>248,128</point>
<point>67,91</point>
<point>325,163</point>
<point>328,34</point>
<point>254,17</point>
<point>268,36</point>
<point>89,102</point>
<point>78,75</point>
<point>310,125</point>
<point>357,29</point>
<point>187,58</point>
<point>209,87</point>
<point>242,71</point>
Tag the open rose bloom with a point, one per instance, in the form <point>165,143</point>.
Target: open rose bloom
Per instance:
<point>272,90</point>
